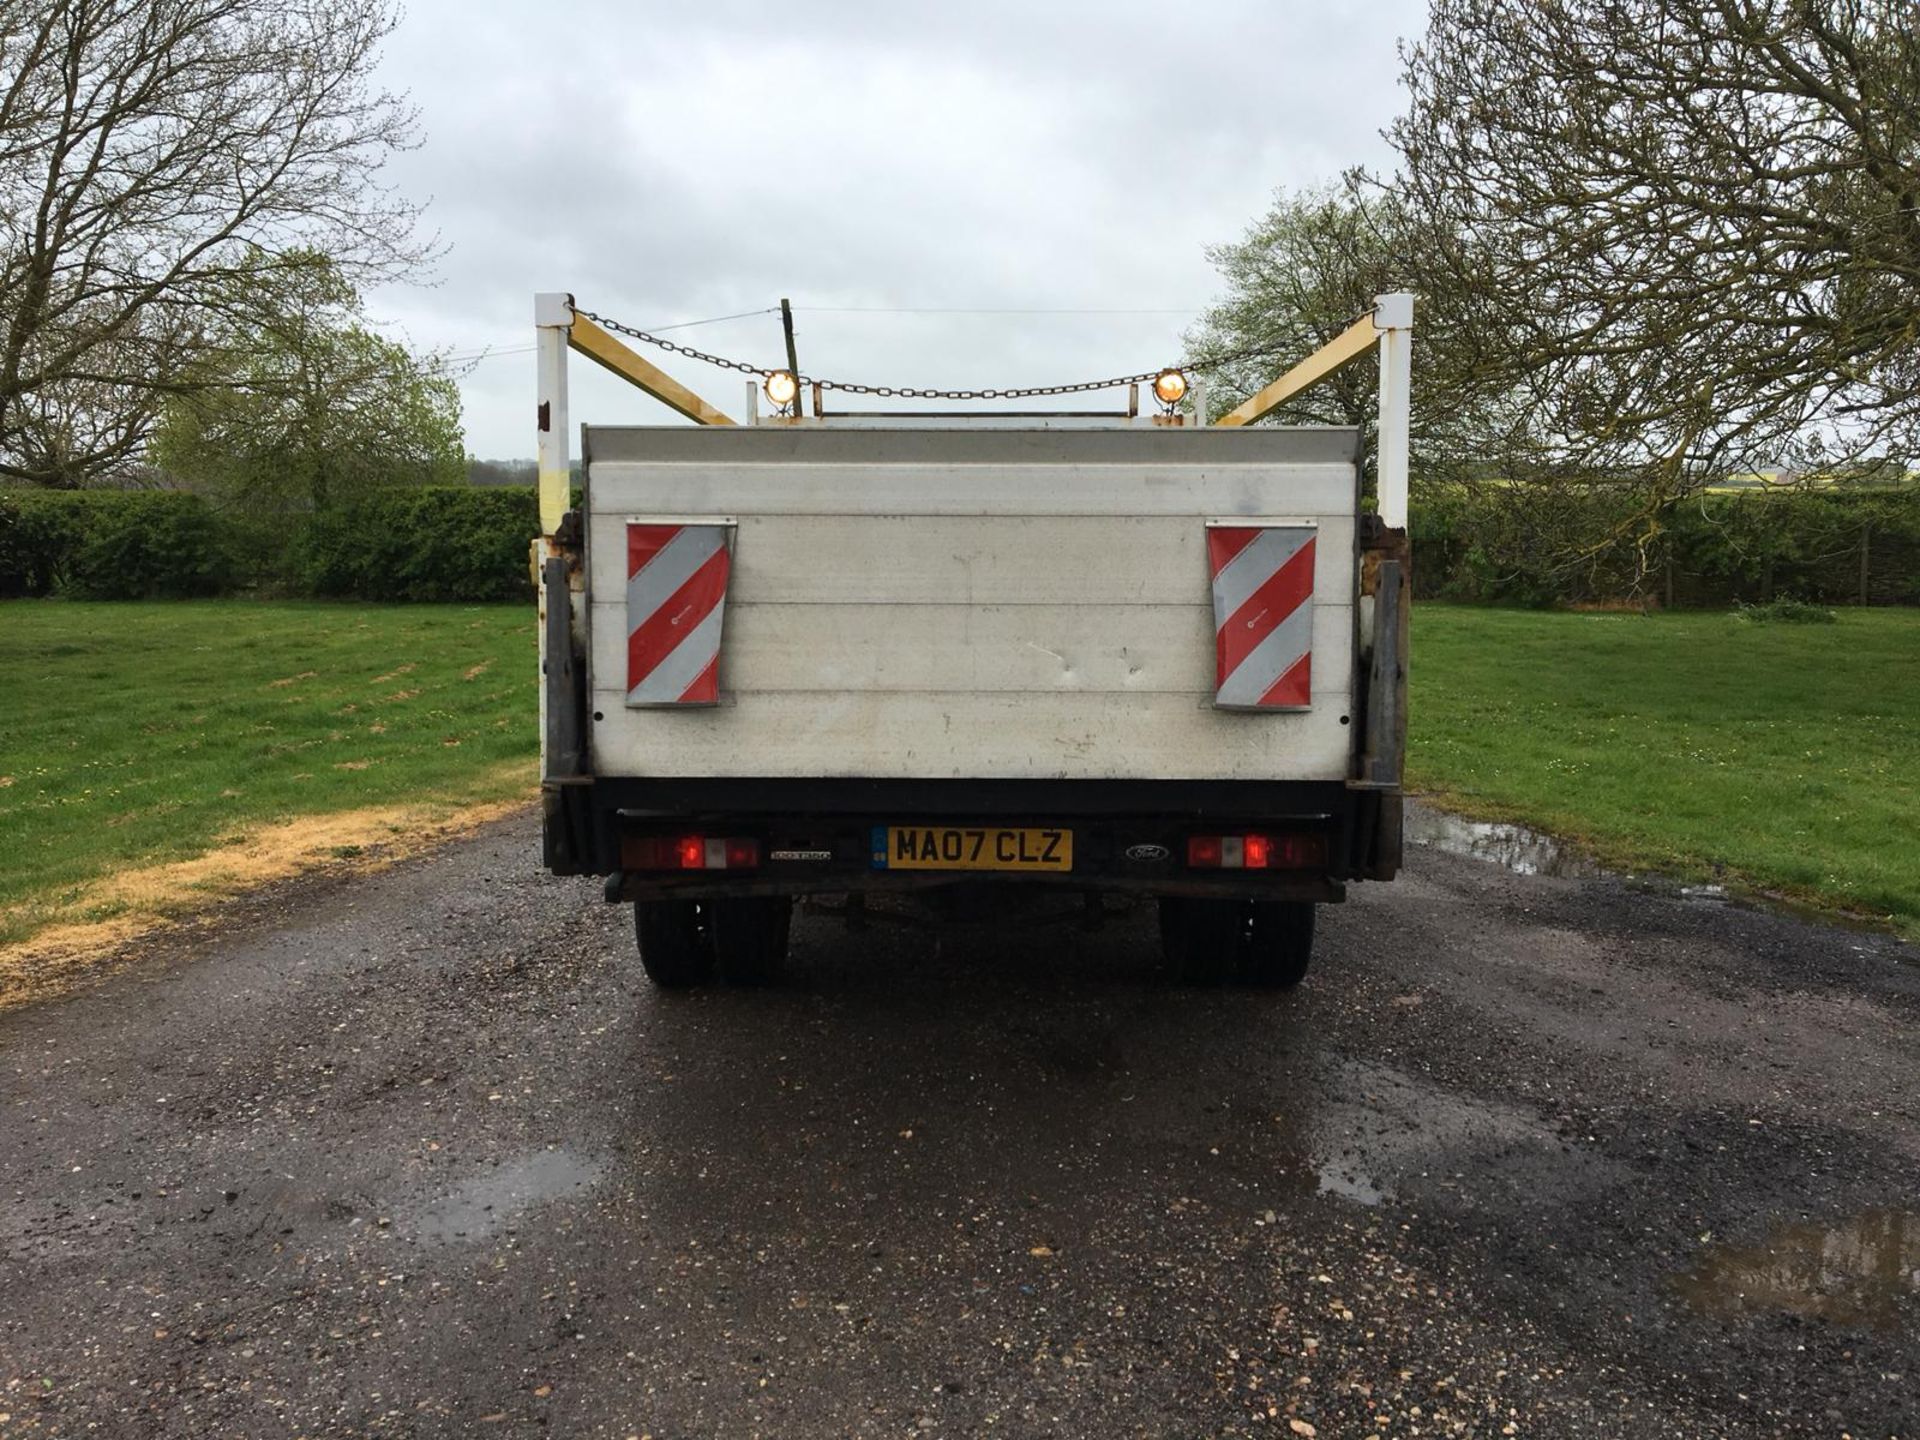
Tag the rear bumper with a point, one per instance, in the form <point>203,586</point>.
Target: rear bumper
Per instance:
<point>1129,836</point>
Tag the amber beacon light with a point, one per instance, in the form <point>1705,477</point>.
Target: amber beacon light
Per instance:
<point>781,387</point>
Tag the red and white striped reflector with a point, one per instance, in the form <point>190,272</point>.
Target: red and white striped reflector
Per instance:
<point>1262,615</point>
<point>676,598</point>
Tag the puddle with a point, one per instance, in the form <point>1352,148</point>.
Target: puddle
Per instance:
<point>1350,1184</point>
<point>1851,1273</point>
<point>494,1199</point>
<point>1528,852</point>
<point>1381,1135</point>
<point>1523,851</point>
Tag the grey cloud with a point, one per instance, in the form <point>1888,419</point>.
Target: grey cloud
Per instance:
<point>667,163</point>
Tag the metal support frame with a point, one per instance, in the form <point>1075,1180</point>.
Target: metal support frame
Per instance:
<point>552,319</point>
<point>610,352</point>
<point>560,328</point>
<point>1354,341</point>
<point>1393,317</point>
<point>1384,733</point>
<point>1390,326</point>
<point>561,725</point>
<point>559,554</point>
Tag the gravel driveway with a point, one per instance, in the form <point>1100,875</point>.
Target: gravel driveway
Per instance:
<point>419,1154</point>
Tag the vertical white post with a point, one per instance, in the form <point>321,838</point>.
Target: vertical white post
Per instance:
<point>1393,318</point>
<point>753,402</point>
<point>552,318</point>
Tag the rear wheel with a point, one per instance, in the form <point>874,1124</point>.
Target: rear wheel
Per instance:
<point>1279,943</point>
<point>1219,942</point>
<point>676,949</point>
<point>1200,939</point>
<point>750,935</point>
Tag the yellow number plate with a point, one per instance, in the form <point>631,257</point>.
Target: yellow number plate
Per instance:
<point>971,847</point>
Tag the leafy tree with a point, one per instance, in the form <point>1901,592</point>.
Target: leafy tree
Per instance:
<point>1303,273</point>
<point>1300,275</point>
<point>303,406</point>
<point>156,158</point>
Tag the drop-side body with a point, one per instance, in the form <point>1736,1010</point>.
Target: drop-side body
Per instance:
<point>791,659</point>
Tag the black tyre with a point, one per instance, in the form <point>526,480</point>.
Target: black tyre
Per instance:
<point>676,949</point>
<point>1201,938</point>
<point>1278,943</point>
<point>750,935</point>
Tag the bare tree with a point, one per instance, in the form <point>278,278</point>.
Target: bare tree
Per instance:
<point>153,153</point>
<point>1685,233</point>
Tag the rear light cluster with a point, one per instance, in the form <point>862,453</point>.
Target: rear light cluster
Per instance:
<point>1254,852</point>
<point>690,852</point>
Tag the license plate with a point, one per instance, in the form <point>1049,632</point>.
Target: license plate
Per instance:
<point>971,847</point>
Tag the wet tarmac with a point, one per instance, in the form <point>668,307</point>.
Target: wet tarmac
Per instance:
<point>420,1155</point>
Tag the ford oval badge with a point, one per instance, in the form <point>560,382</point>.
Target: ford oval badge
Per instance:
<point>1147,854</point>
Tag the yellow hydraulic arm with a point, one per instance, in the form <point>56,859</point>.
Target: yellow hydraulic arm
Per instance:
<point>1390,326</point>
<point>560,328</point>
<point>1349,344</point>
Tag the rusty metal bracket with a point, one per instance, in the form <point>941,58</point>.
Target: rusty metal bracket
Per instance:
<point>564,749</point>
<point>1385,719</point>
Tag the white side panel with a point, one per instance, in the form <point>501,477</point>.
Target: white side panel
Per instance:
<point>1144,650</point>
<point>960,736</point>
<point>997,560</point>
<point>690,488</point>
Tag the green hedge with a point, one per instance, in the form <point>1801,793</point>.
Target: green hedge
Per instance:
<point>113,545</point>
<point>443,543</point>
<point>460,543</point>
<point>1513,547</point>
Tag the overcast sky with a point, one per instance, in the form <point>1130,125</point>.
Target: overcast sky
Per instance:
<point>672,162</point>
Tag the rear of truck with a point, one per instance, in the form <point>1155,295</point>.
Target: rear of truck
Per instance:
<point>1148,661</point>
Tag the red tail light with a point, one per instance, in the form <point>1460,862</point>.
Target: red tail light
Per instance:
<point>1255,852</point>
<point>689,852</point>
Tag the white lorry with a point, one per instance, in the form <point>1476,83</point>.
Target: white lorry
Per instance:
<point>867,654</point>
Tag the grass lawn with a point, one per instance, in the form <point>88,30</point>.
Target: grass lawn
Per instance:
<point>135,734</point>
<point>1783,758</point>
<point>1779,757</point>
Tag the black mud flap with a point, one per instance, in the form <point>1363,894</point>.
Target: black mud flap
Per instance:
<point>567,827</point>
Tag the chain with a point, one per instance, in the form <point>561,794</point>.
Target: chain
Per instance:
<point>673,345</point>
<point>1026,392</point>
<point>912,392</point>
